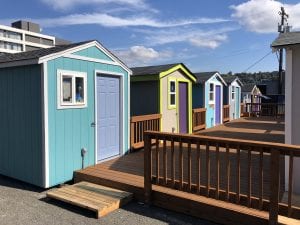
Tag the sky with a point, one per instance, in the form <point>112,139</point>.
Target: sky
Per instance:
<point>211,35</point>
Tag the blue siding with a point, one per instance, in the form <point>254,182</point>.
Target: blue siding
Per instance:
<point>93,52</point>
<point>21,155</point>
<point>70,129</point>
<point>210,109</point>
<point>198,96</point>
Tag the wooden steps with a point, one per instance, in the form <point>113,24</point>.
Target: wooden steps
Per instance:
<point>97,198</point>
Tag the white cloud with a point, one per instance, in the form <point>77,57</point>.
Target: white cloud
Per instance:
<point>114,21</point>
<point>141,55</point>
<point>196,37</point>
<point>69,4</point>
<point>261,16</point>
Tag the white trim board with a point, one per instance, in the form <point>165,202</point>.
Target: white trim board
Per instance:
<point>45,125</point>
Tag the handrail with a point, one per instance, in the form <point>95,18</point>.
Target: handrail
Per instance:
<point>138,124</point>
<point>185,154</point>
<point>265,109</point>
<point>199,119</point>
<point>226,116</point>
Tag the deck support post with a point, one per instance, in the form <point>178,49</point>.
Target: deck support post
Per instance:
<point>147,169</point>
<point>274,187</point>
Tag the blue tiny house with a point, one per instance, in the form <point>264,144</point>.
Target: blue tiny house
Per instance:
<point>232,96</point>
<point>59,103</point>
<point>208,93</point>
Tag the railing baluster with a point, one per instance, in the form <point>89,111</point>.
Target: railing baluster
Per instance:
<point>261,178</point>
<point>172,163</point>
<point>274,186</point>
<point>207,170</point>
<point>157,160</point>
<point>249,178</point>
<point>290,191</point>
<point>198,168</point>
<point>217,170</point>
<point>180,165</point>
<point>227,172</point>
<point>147,170</point>
<point>238,175</point>
<point>189,168</point>
<point>165,161</point>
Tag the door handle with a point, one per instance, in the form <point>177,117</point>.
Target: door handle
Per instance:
<point>93,124</point>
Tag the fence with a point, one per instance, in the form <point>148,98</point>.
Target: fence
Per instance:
<point>199,119</point>
<point>139,124</point>
<point>248,173</point>
<point>226,116</point>
<point>265,109</point>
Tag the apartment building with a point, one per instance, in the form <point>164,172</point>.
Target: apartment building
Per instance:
<point>25,36</point>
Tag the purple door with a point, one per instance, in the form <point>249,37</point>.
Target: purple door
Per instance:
<point>218,105</point>
<point>183,107</point>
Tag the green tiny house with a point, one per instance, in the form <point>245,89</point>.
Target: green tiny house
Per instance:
<point>63,108</point>
<point>165,90</point>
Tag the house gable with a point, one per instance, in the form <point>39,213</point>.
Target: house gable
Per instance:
<point>93,52</point>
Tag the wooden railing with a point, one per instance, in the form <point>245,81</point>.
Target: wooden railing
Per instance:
<point>248,173</point>
<point>243,110</point>
<point>139,124</point>
<point>226,116</point>
<point>199,119</point>
<point>265,109</point>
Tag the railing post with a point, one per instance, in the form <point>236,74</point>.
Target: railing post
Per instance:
<point>274,187</point>
<point>132,133</point>
<point>147,168</point>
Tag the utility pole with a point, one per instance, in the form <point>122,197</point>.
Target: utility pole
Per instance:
<point>282,28</point>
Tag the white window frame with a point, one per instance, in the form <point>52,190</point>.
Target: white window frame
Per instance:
<point>73,74</point>
<point>232,93</point>
<point>213,92</point>
<point>172,92</point>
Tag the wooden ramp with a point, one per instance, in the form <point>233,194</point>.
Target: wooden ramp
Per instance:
<point>97,198</point>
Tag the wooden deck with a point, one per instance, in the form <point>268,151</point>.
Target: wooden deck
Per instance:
<point>264,129</point>
<point>127,173</point>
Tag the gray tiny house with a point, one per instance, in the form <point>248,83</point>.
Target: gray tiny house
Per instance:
<point>56,104</point>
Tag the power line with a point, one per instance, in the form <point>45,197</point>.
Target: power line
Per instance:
<point>258,61</point>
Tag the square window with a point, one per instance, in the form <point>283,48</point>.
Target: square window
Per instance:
<point>172,93</point>
<point>71,89</point>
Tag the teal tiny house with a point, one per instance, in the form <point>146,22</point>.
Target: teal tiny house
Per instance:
<point>208,93</point>
<point>232,96</point>
<point>62,108</point>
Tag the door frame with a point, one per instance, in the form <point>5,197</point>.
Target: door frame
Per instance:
<point>187,106</point>
<point>221,103</point>
<point>182,80</point>
<point>121,110</point>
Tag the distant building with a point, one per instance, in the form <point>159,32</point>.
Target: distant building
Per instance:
<point>25,36</point>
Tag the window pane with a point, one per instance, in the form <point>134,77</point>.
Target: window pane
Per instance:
<point>79,89</point>
<point>211,87</point>
<point>67,89</point>
<point>211,96</point>
<point>172,86</point>
<point>172,99</point>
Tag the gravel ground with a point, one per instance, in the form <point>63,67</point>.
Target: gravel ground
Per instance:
<point>24,204</point>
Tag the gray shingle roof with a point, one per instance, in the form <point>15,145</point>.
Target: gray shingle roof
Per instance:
<point>248,87</point>
<point>291,38</point>
<point>230,78</point>
<point>204,76</point>
<point>35,54</point>
<point>152,70</point>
